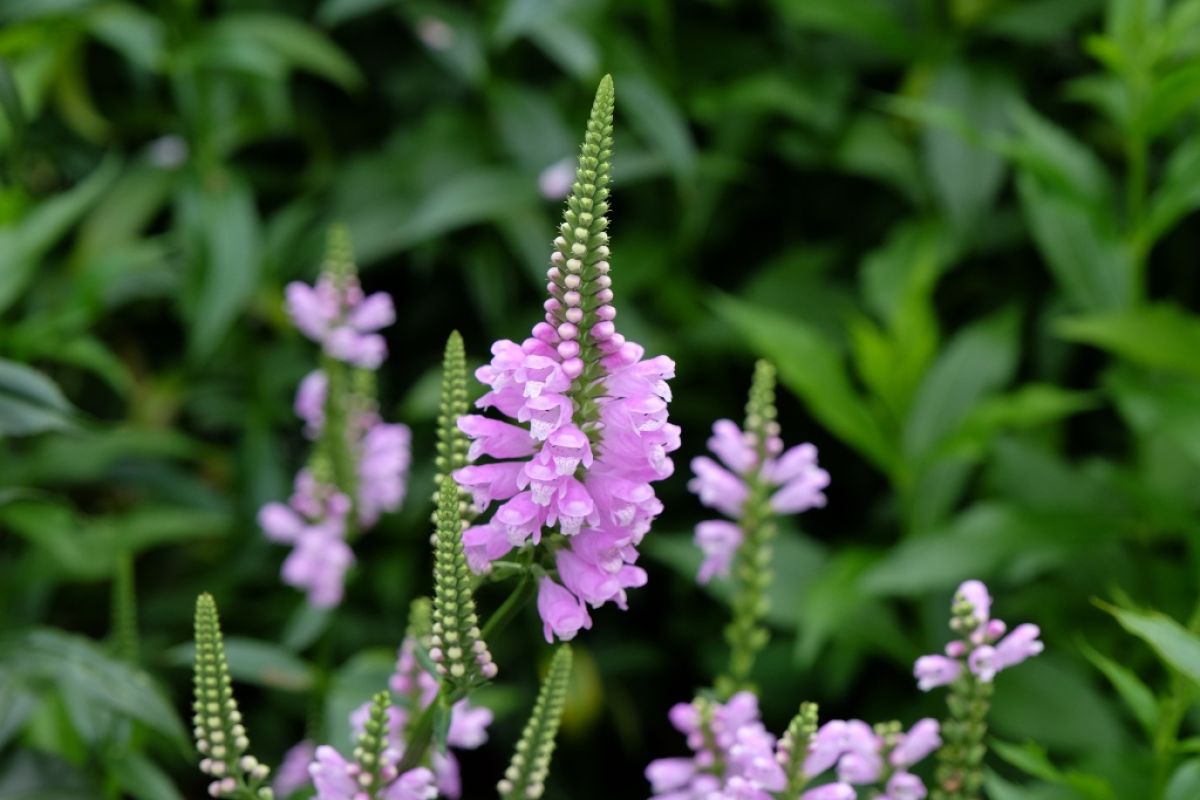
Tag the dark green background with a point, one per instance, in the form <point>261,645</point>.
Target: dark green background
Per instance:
<point>963,230</point>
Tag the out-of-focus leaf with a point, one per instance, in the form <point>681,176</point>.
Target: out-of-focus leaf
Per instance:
<point>306,626</point>
<point>336,12</point>
<point>1057,697</point>
<point>1159,406</point>
<point>1173,643</point>
<point>984,540</point>
<point>569,44</point>
<point>1137,696</point>
<point>1085,254</point>
<point>1038,21</point>
<point>88,548</point>
<point>659,122</point>
<point>10,102</point>
<point>467,199</point>
<point>258,662</point>
<point>141,778</point>
<point>873,22</point>
<point>23,244</point>
<point>135,33</point>
<point>531,128</point>
<point>978,360</point>
<point>16,703</point>
<point>1159,336</point>
<point>228,262</point>
<point>30,402</point>
<point>810,365</point>
<point>1185,781</point>
<point>1032,759</point>
<point>32,775</point>
<point>1064,166</point>
<point>130,204</point>
<point>1178,193</point>
<point>1171,95</point>
<point>966,177</point>
<point>870,146</point>
<point>46,655</point>
<point>299,44</point>
<point>1029,406</point>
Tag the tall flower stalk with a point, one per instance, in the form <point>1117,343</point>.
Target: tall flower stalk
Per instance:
<point>758,482</point>
<point>968,667</point>
<point>359,463</point>
<point>571,479</point>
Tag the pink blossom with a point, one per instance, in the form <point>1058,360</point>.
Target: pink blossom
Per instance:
<point>922,739</point>
<point>719,541</point>
<point>934,671</point>
<point>904,786</point>
<point>292,775</point>
<point>562,613</point>
<point>831,791</point>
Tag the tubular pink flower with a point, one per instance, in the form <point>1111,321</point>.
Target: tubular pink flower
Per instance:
<point>922,739</point>
<point>831,791</point>
<point>905,786</point>
<point>934,671</point>
<point>719,541</point>
<point>563,615</point>
<point>292,775</point>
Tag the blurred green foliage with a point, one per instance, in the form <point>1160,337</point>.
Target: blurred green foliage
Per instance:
<point>965,232</point>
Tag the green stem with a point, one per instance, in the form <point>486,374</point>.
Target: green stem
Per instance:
<point>509,608</point>
<point>124,610</point>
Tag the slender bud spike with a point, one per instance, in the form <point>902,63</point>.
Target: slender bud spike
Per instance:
<point>525,778</point>
<point>582,246</point>
<point>452,443</point>
<point>462,656</point>
<point>794,747</point>
<point>752,574</point>
<point>220,734</point>
<point>372,742</point>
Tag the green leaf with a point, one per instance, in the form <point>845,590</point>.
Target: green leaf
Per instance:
<point>1185,782</point>
<point>1159,336</point>
<point>30,402</point>
<point>1032,760</point>
<point>653,115</point>
<point>472,197</point>
<point>23,245</point>
<point>1137,696</point>
<point>137,34</point>
<point>1081,247</point>
<point>258,662</point>
<point>1028,406</point>
<point>142,779</point>
<point>51,656</point>
<point>10,102</point>
<point>1039,21</point>
<point>966,177</point>
<point>1174,644</point>
<point>227,263</point>
<point>299,44</point>
<point>979,359</point>
<point>810,365</point>
<point>1178,192</point>
<point>1171,95</point>
<point>871,22</point>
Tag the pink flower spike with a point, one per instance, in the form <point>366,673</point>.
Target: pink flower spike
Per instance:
<point>826,747</point>
<point>569,447</point>
<point>669,774</point>
<point>280,523</point>
<point>802,493</point>
<point>934,671</point>
<point>484,544</point>
<point>491,437</point>
<point>563,615</point>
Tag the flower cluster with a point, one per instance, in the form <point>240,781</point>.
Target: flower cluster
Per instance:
<point>983,649</point>
<point>360,463</point>
<point>795,472</point>
<point>866,755</point>
<point>592,433</point>
<point>338,778</point>
<point>736,758</point>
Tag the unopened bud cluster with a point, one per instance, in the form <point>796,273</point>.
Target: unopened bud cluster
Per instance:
<point>525,778</point>
<point>217,722</point>
<point>456,644</point>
